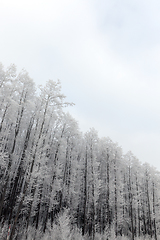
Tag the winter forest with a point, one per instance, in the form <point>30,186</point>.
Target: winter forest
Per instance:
<point>57,183</point>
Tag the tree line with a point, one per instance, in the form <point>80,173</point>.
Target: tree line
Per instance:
<point>48,166</point>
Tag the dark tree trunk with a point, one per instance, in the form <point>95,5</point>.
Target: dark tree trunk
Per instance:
<point>115,196</point>
<point>85,195</point>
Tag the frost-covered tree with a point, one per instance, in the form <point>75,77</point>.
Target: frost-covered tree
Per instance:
<point>58,183</point>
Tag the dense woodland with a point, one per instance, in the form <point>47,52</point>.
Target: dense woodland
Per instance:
<point>58,183</point>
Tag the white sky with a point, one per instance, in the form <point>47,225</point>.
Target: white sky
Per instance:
<point>106,55</point>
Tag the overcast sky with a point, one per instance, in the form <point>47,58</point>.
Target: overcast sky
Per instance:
<point>106,54</point>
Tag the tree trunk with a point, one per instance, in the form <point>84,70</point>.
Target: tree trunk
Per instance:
<point>108,193</point>
<point>19,119</point>
<point>154,212</point>
<point>138,210</point>
<point>131,203</point>
<point>149,208</point>
<point>85,195</point>
<point>92,205</point>
<point>115,196</point>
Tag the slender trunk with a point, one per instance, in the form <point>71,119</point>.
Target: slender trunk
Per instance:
<point>131,203</point>
<point>64,176</point>
<point>115,196</point>
<point>46,215</point>
<point>5,185</point>
<point>144,217</point>
<point>33,190</point>
<point>108,193</point>
<point>154,213</point>
<point>85,195</point>
<point>124,201</point>
<point>19,119</point>
<point>5,111</point>
<point>3,117</point>
<point>55,171</point>
<point>39,205</point>
<point>93,206</point>
<point>138,210</point>
<point>3,196</point>
<point>149,208</point>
